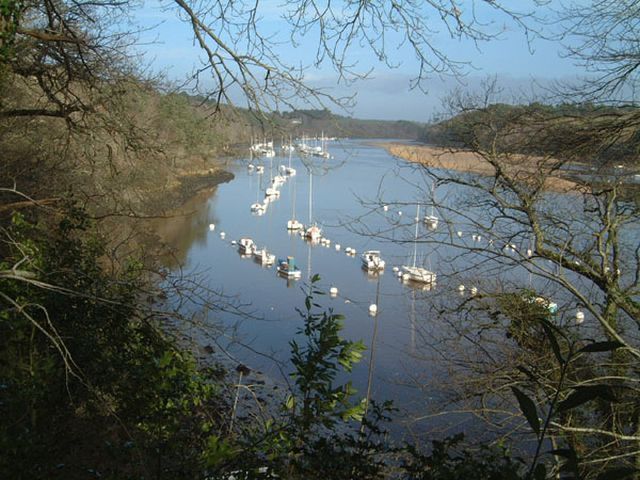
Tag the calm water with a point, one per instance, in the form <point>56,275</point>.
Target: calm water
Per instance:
<point>348,193</point>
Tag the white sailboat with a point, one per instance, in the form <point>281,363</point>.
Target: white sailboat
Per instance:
<point>272,190</point>
<point>290,170</point>
<point>293,224</point>
<point>257,207</point>
<point>313,232</point>
<point>432,220</point>
<point>414,273</point>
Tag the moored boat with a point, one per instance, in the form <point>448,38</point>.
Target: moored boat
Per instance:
<point>246,246</point>
<point>287,268</point>
<point>372,261</point>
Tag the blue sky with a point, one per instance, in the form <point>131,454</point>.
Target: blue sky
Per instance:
<point>517,63</point>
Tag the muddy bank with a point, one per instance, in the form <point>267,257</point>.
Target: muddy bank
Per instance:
<point>185,188</point>
<point>470,162</point>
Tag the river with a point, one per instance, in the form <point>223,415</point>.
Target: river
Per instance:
<point>349,192</point>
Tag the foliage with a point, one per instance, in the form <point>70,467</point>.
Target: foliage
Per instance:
<point>89,384</point>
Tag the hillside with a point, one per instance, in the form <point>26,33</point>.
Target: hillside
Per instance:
<point>598,135</point>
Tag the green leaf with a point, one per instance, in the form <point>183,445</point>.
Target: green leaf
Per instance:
<point>528,409</point>
<point>583,395</point>
<point>601,347</point>
<point>617,473</point>
<point>290,402</point>
<point>548,330</point>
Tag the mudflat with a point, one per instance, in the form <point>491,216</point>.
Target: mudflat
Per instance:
<point>519,168</point>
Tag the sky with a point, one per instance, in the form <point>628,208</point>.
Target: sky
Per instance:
<point>523,67</point>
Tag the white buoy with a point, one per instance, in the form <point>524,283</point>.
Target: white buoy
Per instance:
<point>399,273</point>
<point>474,237</point>
<point>337,247</point>
<point>461,288</point>
<point>579,317</point>
<point>212,227</point>
<point>353,251</point>
<point>222,234</point>
<point>459,234</point>
<point>478,238</point>
<point>400,212</point>
<point>233,242</point>
<point>347,250</point>
<point>529,252</point>
<point>395,269</point>
<point>373,309</point>
<point>385,208</point>
<point>474,291</point>
<point>333,291</point>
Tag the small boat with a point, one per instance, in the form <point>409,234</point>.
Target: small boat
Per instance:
<point>272,192</point>
<point>263,256</point>
<point>260,169</point>
<point>255,207</point>
<point>313,233</point>
<point>294,225</point>
<point>431,221</point>
<point>287,268</point>
<point>372,261</point>
<point>246,246</point>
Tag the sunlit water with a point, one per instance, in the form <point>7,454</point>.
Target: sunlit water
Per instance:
<point>348,195</point>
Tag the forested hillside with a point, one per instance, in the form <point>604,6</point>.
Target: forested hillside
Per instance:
<point>538,129</point>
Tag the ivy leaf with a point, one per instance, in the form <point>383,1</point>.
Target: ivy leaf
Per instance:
<point>601,347</point>
<point>528,409</point>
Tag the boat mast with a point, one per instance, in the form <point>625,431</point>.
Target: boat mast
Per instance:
<point>433,198</point>
<point>415,239</point>
<point>310,193</point>
<point>294,197</point>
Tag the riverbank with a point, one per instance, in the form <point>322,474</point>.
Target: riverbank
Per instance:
<point>470,162</point>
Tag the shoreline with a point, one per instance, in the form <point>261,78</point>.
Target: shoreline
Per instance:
<point>470,162</point>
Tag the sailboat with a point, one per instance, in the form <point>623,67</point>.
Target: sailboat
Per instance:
<point>432,220</point>
<point>290,170</point>
<point>413,273</point>
<point>293,224</point>
<point>272,190</point>
<point>257,207</point>
<point>313,232</point>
